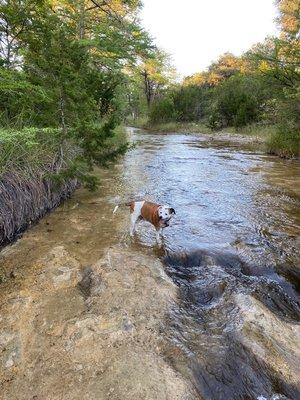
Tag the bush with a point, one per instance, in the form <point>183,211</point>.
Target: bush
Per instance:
<point>31,150</point>
<point>215,120</point>
<point>162,110</point>
<point>27,148</point>
<point>20,100</point>
<point>285,143</point>
<point>238,101</point>
<point>191,103</point>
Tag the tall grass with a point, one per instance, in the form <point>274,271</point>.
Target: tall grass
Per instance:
<point>28,161</point>
<point>38,170</point>
<point>30,148</point>
<point>285,143</point>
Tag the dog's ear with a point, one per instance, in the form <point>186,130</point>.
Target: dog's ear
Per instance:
<point>172,211</point>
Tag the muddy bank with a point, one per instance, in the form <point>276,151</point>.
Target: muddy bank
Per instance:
<point>96,333</point>
<point>25,198</point>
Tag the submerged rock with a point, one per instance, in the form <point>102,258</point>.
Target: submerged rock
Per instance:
<point>228,333</point>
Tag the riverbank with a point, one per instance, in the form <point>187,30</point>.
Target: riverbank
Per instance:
<point>37,172</point>
<point>264,138</point>
<point>249,135</point>
<point>82,315</point>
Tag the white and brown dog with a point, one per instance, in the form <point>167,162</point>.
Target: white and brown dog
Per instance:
<point>158,215</point>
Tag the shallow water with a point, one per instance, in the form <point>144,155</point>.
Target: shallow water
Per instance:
<point>236,233</point>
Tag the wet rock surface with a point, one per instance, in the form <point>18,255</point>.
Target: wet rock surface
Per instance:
<point>235,341</point>
<point>91,334</point>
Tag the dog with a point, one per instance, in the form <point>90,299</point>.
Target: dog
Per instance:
<point>158,215</point>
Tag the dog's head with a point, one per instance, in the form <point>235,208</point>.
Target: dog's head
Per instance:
<point>165,213</point>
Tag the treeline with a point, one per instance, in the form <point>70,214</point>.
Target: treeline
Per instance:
<point>261,87</point>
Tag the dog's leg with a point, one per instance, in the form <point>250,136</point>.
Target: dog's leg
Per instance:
<point>158,236</point>
<point>134,219</point>
<point>135,215</point>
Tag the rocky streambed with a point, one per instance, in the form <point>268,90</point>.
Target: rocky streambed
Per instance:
<point>88,313</point>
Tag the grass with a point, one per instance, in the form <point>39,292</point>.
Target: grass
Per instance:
<point>258,130</point>
<point>28,159</point>
<point>184,127</point>
<point>284,143</point>
<point>171,127</point>
<point>37,172</point>
<point>28,147</point>
<point>139,122</point>
<point>119,138</point>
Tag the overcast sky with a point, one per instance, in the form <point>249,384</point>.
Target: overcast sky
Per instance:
<point>196,32</point>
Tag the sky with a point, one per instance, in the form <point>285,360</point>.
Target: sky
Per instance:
<point>197,32</point>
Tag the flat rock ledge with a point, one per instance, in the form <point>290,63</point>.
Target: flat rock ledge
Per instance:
<point>92,333</point>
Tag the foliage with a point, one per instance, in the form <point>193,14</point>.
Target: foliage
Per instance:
<point>191,102</point>
<point>226,66</point>
<point>37,151</point>
<point>285,142</point>
<point>18,98</point>
<point>162,110</point>
<point>289,17</point>
<point>32,147</point>
<point>62,69</point>
<point>237,102</point>
<point>155,73</point>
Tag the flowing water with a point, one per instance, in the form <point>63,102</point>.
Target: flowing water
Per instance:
<point>232,249</point>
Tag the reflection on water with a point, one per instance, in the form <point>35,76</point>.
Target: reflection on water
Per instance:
<point>232,248</point>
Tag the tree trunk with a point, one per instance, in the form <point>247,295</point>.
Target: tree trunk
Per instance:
<point>82,19</point>
<point>147,88</point>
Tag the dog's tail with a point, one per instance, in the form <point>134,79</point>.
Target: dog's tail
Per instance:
<point>121,205</point>
<point>116,209</point>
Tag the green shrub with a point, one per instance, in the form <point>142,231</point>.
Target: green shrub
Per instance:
<point>20,100</point>
<point>285,142</point>
<point>191,102</point>
<point>27,148</point>
<point>238,101</point>
<point>42,150</point>
<point>162,110</point>
<point>215,120</point>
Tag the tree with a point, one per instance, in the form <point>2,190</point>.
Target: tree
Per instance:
<point>238,101</point>
<point>191,102</point>
<point>70,57</point>
<point>14,20</point>
<point>156,74</point>
<point>289,18</point>
<point>226,66</point>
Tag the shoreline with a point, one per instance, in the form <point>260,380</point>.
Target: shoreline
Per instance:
<point>200,130</point>
<point>257,137</point>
